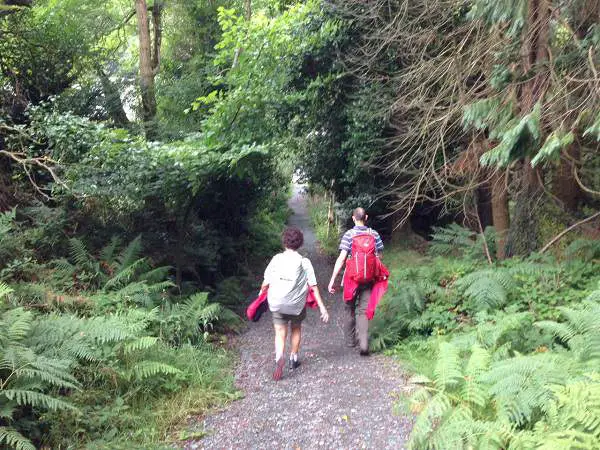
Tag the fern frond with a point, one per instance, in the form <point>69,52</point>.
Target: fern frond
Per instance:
<point>491,330</point>
<point>131,253</point>
<point>107,254</point>
<point>26,397</point>
<point>5,290</point>
<point>125,274</point>
<point>147,369</point>
<point>448,371</point>
<point>474,391</point>
<point>13,439</point>
<point>486,288</point>
<point>139,344</point>
<point>427,421</point>
<point>79,252</point>
<point>7,410</point>
<point>157,275</point>
<point>19,323</point>
<point>61,379</point>
<point>521,386</point>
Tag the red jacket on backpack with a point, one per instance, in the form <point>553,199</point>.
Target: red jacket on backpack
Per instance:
<point>379,288</point>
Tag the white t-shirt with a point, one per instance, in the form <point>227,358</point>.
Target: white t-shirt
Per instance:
<point>288,276</point>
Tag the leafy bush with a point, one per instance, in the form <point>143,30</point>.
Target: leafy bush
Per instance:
<point>502,383</point>
<point>102,359</point>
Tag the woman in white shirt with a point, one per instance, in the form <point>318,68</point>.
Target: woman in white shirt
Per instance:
<point>288,277</point>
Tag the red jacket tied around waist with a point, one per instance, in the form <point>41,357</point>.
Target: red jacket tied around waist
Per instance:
<point>256,309</point>
<point>380,285</point>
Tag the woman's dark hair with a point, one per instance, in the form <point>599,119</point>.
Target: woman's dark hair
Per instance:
<point>292,238</point>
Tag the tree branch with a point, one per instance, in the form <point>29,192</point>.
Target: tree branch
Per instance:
<point>561,234</point>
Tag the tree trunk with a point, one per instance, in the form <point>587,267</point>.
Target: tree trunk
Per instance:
<point>484,205</point>
<point>565,186</point>
<point>248,9</point>
<point>113,102</point>
<point>247,16</point>
<point>500,211</point>
<point>523,234</point>
<point>147,71</point>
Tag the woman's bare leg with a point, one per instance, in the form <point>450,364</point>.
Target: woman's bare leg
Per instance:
<point>280,337</point>
<point>295,338</point>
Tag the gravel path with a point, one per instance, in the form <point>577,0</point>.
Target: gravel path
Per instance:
<point>335,399</point>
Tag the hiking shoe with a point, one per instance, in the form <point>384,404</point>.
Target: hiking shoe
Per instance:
<point>294,364</point>
<point>278,372</point>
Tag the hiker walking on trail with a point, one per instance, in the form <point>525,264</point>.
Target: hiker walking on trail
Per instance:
<point>290,280</point>
<point>360,249</point>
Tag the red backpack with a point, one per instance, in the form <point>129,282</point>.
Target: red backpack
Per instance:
<point>362,266</point>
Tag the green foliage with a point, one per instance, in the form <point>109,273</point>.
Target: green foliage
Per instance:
<point>30,378</point>
<point>456,240</point>
<point>585,249</point>
<point>512,12</point>
<point>328,234</point>
<point>556,142</point>
<point>517,140</point>
<point>488,114</point>
<point>487,289</point>
<point>500,382</point>
<point>193,318</point>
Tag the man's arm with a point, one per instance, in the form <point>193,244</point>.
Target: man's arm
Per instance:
<point>378,244</point>
<point>339,263</point>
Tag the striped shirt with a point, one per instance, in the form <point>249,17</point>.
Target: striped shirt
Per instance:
<point>346,243</point>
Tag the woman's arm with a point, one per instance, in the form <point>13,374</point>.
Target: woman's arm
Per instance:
<point>322,308</point>
<point>263,287</point>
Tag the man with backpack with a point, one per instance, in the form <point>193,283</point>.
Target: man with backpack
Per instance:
<point>360,249</point>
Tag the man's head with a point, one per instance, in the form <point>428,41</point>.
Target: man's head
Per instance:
<point>359,216</point>
<point>292,238</point>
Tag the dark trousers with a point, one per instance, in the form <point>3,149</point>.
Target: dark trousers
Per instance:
<point>356,324</point>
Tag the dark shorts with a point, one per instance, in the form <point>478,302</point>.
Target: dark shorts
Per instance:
<point>283,319</point>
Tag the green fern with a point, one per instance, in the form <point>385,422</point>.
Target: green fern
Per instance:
<point>14,439</point>
<point>452,407</point>
<point>148,369</point>
<point>585,249</point>
<point>186,321</point>
<point>581,330</point>
<point>5,290</point>
<point>29,378</point>
<point>487,288</point>
<point>521,386</point>
<point>126,274</point>
<point>79,253</point>
<point>108,252</point>
<point>130,254</point>
<point>451,239</point>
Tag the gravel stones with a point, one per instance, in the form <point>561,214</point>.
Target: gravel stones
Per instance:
<point>335,399</point>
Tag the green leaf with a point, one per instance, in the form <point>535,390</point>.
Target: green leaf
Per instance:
<point>517,142</point>
<point>555,143</point>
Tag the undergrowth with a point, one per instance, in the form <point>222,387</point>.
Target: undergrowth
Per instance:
<point>504,355</point>
<point>102,343</point>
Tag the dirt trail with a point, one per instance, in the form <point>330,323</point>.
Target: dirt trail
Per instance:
<point>335,399</point>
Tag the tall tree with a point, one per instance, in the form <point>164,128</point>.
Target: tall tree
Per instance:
<point>149,60</point>
<point>523,235</point>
